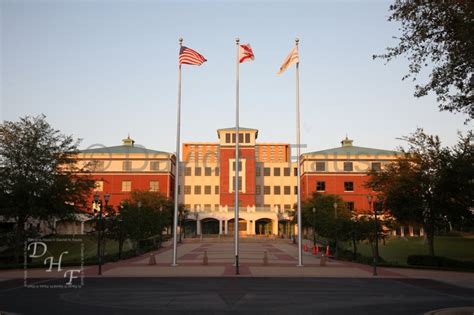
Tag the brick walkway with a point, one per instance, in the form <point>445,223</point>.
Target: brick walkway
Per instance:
<point>282,260</point>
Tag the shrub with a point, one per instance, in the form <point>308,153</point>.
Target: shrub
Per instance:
<point>439,262</point>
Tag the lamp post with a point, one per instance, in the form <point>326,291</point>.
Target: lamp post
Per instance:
<point>314,227</point>
<point>196,216</point>
<point>376,250</point>
<point>336,253</point>
<point>100,230</point>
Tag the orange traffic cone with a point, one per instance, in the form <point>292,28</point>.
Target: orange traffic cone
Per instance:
<point>328,253</point>
<point>314,251</point>
<point>305,247</point>
<point>317,249</point>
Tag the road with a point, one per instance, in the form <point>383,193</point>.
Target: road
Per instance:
<point>249,295</point>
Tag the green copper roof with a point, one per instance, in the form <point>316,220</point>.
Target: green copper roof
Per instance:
<point>353,150</point>
<point>123,149</point>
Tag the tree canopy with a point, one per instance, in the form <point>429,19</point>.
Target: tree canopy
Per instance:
<point>429,185</point>
<point>438,36</point>
<point>38,173</point>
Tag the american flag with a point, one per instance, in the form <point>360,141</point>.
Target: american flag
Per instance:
<point>187,56</point>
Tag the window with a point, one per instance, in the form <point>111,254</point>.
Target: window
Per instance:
<point>267,207</point>
<point>258,190</point>
<point>217,171</point>
<point>197,171</point>
<point>266,171</point>
<point>240,183</point>
<point>197,190</point>
<point>287,190</point>
<point>348,186</point>
<point>257,171</point>
<point>266,190</point>
<point>207,190</point>
<point>295,171</point>
<point>179,189</point>
<point>196,207</point>
<point>350,205</point>
<point>154,165</point>
<point>247,138</point>
<point>287,207</point>
<point>320,166</point>
<point>216,207</point>
<point>126,185</point>
<point>207,207</point>
<point>240,166</point>
<point>241,138</point>
<point>376,166</point>
<point>187,171</point>
<point>320,186</point>
<point>276,171</point>
<point>99,185</point>
<point>277,190</point>
<point>187,190</point>
<point>348,167</point>
<point>296,190</point>
<point>227,138</point>
<point>216,190</point>
<point>127,165</point>
<point>154,185</point>
<point>233,138</point>
<point>287,171</point>
<point>187,207</point>
<point>207,171</point>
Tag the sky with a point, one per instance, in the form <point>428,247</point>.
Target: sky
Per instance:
<point>100,70</point>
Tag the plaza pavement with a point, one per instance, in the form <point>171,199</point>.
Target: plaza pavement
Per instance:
<point>282,262</point>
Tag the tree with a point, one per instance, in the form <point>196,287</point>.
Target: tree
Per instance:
<point>428,183</point>
<point>327,223</point>
<point>437,35</point>
<point>38,174</point>
<point>144,215</point>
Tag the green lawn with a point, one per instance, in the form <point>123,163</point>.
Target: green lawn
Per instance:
<point>74,248</point>
<point>397,249</point>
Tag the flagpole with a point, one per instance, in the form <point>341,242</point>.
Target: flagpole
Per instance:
<point>298,153</point>
<point>236,173</point>
<point>176,177</point>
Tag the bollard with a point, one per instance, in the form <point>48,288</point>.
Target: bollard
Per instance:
<point>152,260</point>
<point>305,247</point>
<point>322,261</point>
<point>205,260</point>
<point>265,259</point>
<point>328,253</point>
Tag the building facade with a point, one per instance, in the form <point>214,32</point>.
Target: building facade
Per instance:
<point>343,171</point>
<point>267,179</point>
<point>120,169</point>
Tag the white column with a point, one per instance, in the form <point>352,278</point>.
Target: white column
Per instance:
<point>220,226</point>
<point>275,227</point>
<point>422,231</point>
<point>249,228</point>
<point>226,227</point>
<point>402,231</point>
<point>82,228</point>
<point>198,227</point>
<point>410,230</point>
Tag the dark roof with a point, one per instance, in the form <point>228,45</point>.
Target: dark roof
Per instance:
<point>240,128</point>
<point>123,149</point>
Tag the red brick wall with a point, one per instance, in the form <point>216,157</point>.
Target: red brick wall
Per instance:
<point>335,186</point>
<point>247,198</point>
<point>113,185</point>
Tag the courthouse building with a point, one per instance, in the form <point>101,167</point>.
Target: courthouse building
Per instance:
<point>267,179</point>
